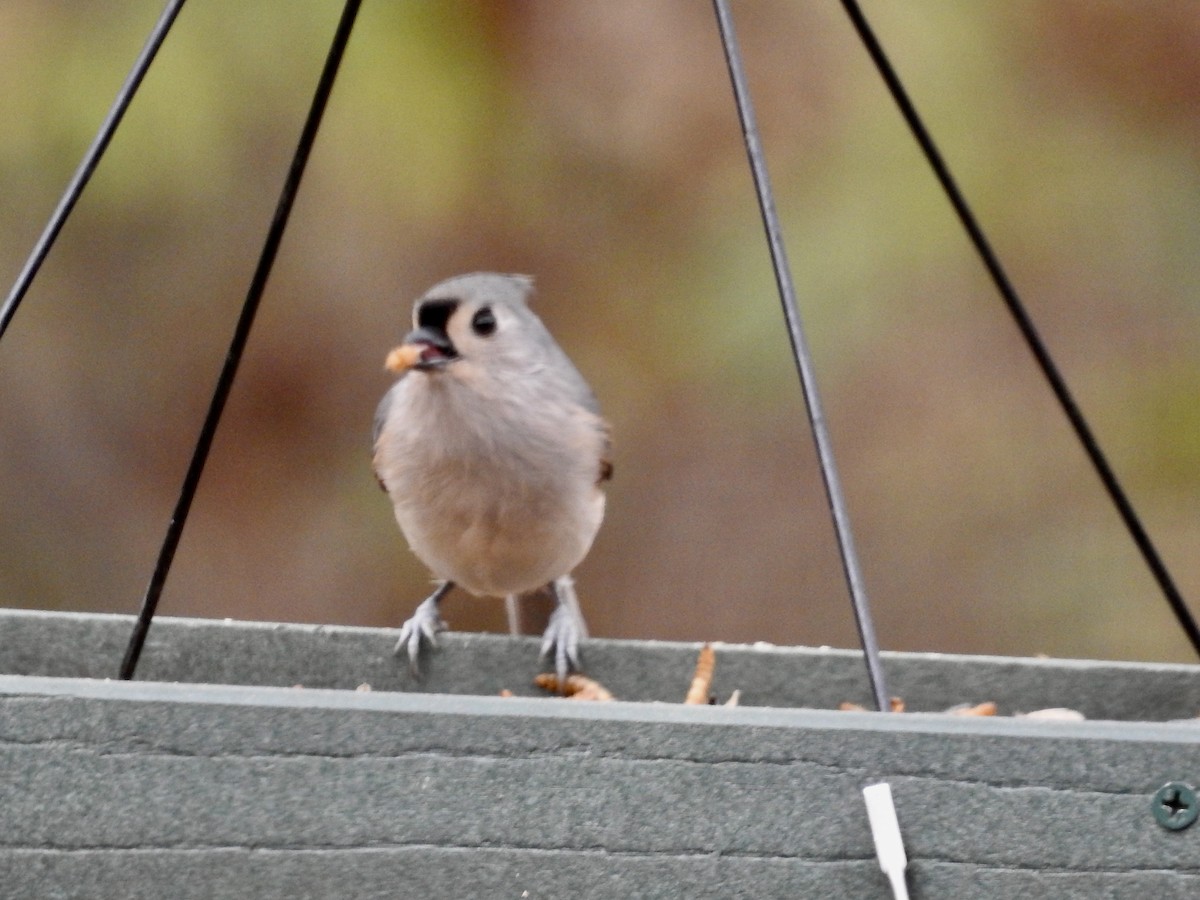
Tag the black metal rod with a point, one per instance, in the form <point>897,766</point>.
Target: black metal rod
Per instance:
<point>1057,383</point>
<point>88,164</point>
<point>241,334</point>
<point>804,364</point>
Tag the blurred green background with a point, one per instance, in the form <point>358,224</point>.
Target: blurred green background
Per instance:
<point>595,146</point>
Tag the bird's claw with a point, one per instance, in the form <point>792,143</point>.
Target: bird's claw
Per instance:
<point>561,641</point>
<point>424,625</point>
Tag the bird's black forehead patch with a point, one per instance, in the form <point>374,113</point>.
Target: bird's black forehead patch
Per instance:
<point>436,313</point>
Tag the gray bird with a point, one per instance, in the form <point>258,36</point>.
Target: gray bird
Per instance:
<point>493,452</point>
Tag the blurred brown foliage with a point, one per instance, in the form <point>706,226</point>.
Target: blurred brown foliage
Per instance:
<point>596,147</point>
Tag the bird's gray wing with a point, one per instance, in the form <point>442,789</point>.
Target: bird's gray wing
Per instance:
<point>576,387</point>
<point>573,384</point>
<point>381,411</point>
<point>381,414</point>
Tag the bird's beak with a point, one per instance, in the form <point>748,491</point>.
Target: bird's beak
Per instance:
<point>424,349</point>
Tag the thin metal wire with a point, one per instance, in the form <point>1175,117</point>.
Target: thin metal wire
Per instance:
<point>1057,383</point>
<point>241,334</point>
<point>88,164</point>
<point>804,365</point>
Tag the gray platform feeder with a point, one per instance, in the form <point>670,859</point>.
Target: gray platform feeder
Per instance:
<point>244,764</point>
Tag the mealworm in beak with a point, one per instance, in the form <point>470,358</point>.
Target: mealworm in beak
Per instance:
<point>403,358</point>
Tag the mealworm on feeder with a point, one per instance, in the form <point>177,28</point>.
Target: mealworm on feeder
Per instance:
<point>980,709</point>
<point>576,687</point>
<point>896,705</point>
<point>697,694</point>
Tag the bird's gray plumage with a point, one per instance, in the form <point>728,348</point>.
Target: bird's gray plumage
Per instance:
<point>381,413</point>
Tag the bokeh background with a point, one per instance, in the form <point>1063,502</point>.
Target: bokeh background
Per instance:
<point>595,146</point>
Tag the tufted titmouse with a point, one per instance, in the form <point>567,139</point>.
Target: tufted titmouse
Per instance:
<point>493,452</point>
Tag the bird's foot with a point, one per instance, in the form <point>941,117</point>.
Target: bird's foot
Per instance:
<point>423,626</point>
<point>564,631</point>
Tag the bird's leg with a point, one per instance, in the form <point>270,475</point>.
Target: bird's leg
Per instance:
<point>425,623</point>
<point>512,609</point>
<point>565,629</point>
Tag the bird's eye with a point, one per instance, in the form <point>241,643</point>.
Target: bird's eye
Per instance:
<point>484,322</point>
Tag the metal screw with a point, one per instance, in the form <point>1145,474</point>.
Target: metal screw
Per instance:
<point>1175,805</point>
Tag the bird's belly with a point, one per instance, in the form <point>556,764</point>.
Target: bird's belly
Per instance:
<point>501,545</point>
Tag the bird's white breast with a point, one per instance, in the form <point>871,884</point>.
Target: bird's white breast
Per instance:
<point>499,494</point>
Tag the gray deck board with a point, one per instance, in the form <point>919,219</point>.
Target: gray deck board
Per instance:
<point>193,787</point>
